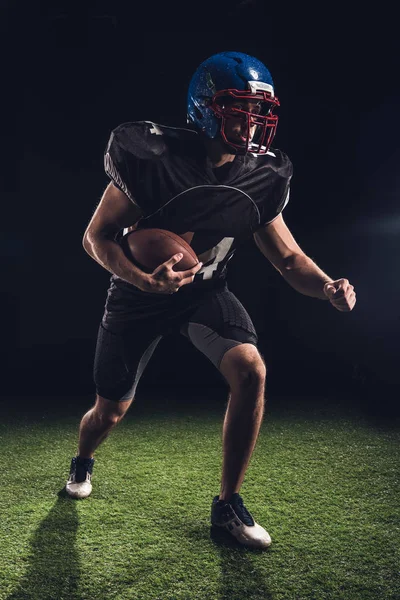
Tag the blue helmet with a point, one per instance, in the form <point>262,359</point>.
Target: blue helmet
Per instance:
<point>222,88</point>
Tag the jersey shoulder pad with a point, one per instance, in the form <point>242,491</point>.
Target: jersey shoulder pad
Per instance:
<point>142,139</point>
<point>278,161</point>
<point>147,140</point>
<point>277,168</point>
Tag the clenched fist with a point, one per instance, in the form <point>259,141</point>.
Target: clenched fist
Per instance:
<point>341,294</point>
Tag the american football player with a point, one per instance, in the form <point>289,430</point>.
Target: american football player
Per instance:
<point>217,182</point>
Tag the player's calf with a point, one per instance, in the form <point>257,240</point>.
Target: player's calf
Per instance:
<point>95,426</point>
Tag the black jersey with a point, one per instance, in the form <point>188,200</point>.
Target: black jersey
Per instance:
<point>167,173</point>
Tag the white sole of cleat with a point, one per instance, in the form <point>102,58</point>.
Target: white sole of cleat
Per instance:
<point>79,490</point>
<point>254,536</point>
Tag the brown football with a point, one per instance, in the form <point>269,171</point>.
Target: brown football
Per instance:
<point>149,248</point>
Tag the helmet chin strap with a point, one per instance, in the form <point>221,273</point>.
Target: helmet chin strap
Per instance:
<point>217,148</point>
<point>234,149</point>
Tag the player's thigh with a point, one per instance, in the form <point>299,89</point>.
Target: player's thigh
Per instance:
<point>223,331</point>
<point>120,360</point>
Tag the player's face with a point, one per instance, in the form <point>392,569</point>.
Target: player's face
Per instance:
<point>236,126</point>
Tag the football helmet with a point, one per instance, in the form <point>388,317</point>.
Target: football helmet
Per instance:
<point>233,85</point>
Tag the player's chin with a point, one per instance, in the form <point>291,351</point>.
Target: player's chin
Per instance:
<point>236,146</point>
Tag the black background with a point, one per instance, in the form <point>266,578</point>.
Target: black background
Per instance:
<point>71,74</point>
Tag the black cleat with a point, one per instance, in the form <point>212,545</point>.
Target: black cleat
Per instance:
<point>234,517</point>
<point>79,483</point>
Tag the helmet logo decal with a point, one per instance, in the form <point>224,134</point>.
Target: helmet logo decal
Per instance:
<point>210,83</point>
<point>254,74</point>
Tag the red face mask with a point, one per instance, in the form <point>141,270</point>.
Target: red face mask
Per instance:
<point>250,112</point>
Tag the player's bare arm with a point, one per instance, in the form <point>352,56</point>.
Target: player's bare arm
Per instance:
<point>115,212</point>
<point>277,243</point>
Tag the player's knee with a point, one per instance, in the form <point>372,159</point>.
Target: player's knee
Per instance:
<point>110,419</point>
<point>246,371</point>
<point>109,413</point>
<point>251,375</point>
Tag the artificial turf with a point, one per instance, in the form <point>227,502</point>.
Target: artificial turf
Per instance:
<point>323,480</point>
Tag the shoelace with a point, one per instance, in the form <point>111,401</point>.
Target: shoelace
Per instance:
<point>81,468</point>
<point>242,511</point>
<point>237,505</point>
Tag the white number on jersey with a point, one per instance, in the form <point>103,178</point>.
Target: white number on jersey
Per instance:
<point>217,255</point>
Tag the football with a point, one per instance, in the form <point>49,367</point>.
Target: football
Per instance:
<point>149,248</point>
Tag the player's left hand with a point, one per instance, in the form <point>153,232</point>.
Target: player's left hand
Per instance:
<point>341,294</point>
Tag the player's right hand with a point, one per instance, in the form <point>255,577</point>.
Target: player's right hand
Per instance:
<point>164,280</point>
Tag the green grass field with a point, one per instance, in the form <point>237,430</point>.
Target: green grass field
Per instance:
<point>323,481</point>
